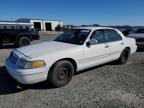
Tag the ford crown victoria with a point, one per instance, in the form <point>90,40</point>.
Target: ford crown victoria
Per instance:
<point>72,51</point>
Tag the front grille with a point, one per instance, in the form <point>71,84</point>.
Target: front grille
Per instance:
<point>13,59</point>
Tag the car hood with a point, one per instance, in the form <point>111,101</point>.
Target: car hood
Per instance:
<point>45,48</point>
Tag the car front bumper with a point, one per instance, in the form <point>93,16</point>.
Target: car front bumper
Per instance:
<point>26,76</point>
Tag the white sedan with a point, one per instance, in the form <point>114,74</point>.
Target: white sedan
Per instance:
<point>74,50</point>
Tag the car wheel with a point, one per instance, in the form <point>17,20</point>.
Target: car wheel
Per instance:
<point>61,73</point>
<point>24,41</point>
<point>124,56</point>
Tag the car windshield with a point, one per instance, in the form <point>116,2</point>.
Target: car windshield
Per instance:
<point>74,36</point>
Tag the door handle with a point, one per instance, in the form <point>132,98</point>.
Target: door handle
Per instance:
<point>107,46</point>
<point>122,43</point>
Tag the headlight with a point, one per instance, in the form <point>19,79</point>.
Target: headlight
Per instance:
<point>31,64</point>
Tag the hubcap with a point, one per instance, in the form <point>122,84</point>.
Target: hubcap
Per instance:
<point>24,42</point>
<point>63,74</point>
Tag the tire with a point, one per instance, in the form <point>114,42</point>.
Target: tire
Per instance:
<point>23,41</point>
<point>61,73</point>
<point>124,56</point>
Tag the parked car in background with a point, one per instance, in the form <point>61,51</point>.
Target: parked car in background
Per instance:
<point>138,35</point>
<point>126,32</point>
<point>20,37</point>
<point>67,27</point>
<point>72,51</point>
<point>59,28</point>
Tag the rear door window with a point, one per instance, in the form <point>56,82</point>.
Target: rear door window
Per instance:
<point>112,36</point>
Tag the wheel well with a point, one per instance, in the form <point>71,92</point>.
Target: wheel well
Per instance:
<point>28,36</point>
<point>70,60</point>
<point>128,49</point>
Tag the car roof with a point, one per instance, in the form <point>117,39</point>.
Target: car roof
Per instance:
<point>93,28</point>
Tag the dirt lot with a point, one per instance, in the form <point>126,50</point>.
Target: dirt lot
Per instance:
<point>106,86</point>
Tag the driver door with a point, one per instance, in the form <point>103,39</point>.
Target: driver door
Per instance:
<point>97,53</point>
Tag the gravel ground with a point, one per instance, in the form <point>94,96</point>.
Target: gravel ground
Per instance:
<point>106,86</point>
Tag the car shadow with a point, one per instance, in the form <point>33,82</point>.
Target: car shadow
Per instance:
<point>140,50</point>
<point>9,86</point>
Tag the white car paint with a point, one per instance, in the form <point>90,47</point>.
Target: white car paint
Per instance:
<point>51,52</point>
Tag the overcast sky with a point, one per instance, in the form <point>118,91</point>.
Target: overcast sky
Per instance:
<point>77,12</point>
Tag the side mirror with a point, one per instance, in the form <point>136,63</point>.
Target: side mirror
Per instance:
<point>93,42</point>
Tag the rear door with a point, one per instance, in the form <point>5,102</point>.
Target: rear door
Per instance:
<point>115,43</point>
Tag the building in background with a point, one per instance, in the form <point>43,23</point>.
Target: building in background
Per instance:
<point>39,24</point>
<point>14,25</point>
